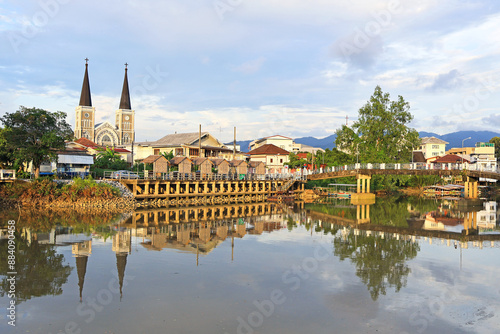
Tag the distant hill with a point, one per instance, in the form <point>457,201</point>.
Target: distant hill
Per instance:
<point>455,138</point>
<point>324,143</point>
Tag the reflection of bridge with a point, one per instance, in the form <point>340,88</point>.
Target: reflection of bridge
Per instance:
<point>194,190</point>
<point>414,229</point>
<point>159,216</point>
<point>364,172</point>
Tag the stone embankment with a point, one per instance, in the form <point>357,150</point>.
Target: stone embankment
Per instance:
<point>123,202</point>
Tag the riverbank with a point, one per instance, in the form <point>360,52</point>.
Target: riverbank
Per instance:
<point>88,195</point>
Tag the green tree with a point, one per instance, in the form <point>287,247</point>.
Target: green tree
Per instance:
<point>294,161</point>
<point>496,141</point>
<point>169,156</point>
<point>109,159</point>
<point>6,153</point>
<point>381,133</point>
<point>35,135</point>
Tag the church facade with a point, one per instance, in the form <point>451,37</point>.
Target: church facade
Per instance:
<point>105,134</point>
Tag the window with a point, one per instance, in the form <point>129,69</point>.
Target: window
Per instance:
<point>281,161</point>
<point>435,147</point>
<point>156,151</point>
<point>271,160</point>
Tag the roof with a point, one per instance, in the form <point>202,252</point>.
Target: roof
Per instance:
<point>255,163</point>
<point>178,139</point>
<point>432,140</point>
<point>450,158</point>
<point>268,149</point>
<point>177,160</point>
<point>302,155</point>
<point>235,163</point>
<point>120,150</point>
<point>217,162</point>
<point>86,142</point>
<point>200,160</point>
<point>73,151</point>
<point>153,158</point>
<point>85,99</point>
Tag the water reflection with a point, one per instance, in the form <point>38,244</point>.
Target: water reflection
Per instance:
<point>377,238</point>
<point>41,270</point>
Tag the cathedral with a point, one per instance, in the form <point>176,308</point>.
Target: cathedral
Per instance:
<point>105,133</point>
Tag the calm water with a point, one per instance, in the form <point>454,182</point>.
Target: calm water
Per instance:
<point>397,266</point>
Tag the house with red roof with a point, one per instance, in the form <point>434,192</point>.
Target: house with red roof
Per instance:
<point>272,156</point>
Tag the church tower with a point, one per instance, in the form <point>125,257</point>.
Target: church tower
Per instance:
<point>85,113</point>
<point>125,116</point>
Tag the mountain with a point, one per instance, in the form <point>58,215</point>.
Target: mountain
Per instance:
<point>324,143</point>
<point>454,139</point>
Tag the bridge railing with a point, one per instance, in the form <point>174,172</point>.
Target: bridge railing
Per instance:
<point>408,166</point>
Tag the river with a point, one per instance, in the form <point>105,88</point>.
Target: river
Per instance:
<point>400,265</point>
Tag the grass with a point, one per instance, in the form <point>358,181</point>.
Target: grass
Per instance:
<point>46,188</point>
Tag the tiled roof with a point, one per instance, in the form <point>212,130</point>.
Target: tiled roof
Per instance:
<point>178,139</point>
<point>268,149</point>
<point>86,142</point>
<point>450,158</point>
<point>432,140</point>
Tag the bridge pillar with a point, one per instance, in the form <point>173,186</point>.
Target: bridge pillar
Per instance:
<point>363,183</point>
<point>471,189</point>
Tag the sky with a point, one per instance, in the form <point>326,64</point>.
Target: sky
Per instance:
<point>290,67</point>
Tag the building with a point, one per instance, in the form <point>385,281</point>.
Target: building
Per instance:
<point>285,143</point>
<point>203,165</point>
<point>282,142</point>
<point>256,167</point>
<point>239,166</point>
<point>182,164</point>
<point>222,166</point>
<point>272,156</point>
<point>482,154</point>
<point>159,162</point>
<point>105,133</point>
<point>185,145</point>
<point>94,149</point>
<point>432,147</point>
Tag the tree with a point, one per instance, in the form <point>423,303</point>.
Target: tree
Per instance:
<point>169,156</point>
<point>496,141</point>
<point>35,135</point>
<point>381,133</point>
<point>6,153</point>
<point>109,159</point>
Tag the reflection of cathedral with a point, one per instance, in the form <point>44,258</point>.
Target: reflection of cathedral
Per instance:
<point>105,134</point>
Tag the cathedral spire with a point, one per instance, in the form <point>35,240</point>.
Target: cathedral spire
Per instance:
<point>85,99</point>
<point>125,99</point>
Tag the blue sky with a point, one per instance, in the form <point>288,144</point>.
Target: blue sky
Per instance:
<point>289,67</point>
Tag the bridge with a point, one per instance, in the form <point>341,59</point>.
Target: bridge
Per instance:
<point>364,172</point>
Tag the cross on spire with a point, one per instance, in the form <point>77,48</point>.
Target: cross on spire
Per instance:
<point>126,65</point>
<point>86,61</point>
